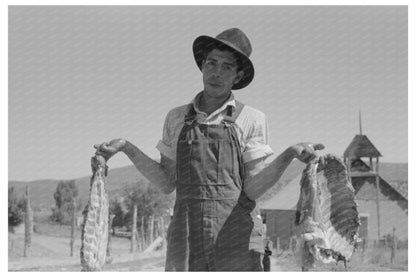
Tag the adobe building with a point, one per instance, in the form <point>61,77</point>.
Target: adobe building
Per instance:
<point>382,202</point>
<point>382,207</point>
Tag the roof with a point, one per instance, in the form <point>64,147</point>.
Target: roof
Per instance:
<point>287,197</point>
<point>395,174</point>
<point>361,146</point>
<point>400,187</point>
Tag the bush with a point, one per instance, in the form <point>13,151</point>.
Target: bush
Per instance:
<point>17,208</point>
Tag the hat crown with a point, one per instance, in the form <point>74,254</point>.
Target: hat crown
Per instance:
<point>235,38</point>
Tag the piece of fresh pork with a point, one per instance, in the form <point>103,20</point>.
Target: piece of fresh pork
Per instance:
<point>94,236</point>
<point>327,219</point>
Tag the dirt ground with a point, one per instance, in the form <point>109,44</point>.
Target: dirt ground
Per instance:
<point>52,253</point>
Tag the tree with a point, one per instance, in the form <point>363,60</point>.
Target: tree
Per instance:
<point>148,198</point>
<point>17,208</point>
<point>119,210</point>
<point>65,192</point>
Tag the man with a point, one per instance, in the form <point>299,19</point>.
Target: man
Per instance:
<point>213,152</point>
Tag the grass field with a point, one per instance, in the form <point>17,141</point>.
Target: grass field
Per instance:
<point>51,252</point>
<point>376,259</point>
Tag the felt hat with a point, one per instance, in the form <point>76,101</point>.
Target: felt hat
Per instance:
<point>233,40</point>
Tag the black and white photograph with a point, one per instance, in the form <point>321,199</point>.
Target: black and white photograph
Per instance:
<point>228,138</point>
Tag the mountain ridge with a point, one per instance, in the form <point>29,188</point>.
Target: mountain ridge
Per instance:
<point>41,191</point>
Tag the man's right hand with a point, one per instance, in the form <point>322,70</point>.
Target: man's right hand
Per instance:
<point>109,149</point>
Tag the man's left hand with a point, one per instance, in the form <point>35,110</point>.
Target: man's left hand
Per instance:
<point>306,151</point>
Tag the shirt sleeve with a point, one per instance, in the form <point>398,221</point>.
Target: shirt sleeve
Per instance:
<point>165,144</point>
<point>257,142</point>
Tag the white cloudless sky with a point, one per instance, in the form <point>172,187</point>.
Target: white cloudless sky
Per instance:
<point>84,75</point>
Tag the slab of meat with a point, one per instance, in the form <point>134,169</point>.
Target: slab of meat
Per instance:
<point>327,219</point>
<point>94,234</point>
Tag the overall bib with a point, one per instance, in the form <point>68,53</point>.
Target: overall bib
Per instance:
<point>215,227</point>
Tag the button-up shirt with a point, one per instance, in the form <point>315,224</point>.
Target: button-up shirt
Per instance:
<point>251,129</point>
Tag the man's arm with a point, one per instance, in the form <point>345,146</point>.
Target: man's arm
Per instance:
<point>261,176</point>
<point>159,174</point>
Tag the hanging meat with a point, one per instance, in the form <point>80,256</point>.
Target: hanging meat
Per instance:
<point>94,234</point>
<point>327,219</point>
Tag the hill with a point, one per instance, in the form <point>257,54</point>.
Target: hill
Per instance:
<point>42,190</point>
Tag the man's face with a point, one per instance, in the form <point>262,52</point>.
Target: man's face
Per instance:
<point>219,73</point>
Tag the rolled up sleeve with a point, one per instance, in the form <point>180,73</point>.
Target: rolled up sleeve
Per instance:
<point>165,145</point>
<point>165,150</point>
<point>257,141</point>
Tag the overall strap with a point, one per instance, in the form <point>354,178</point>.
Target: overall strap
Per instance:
<point>228,120</point>
<point>231,116</point>
<point>190,115</point>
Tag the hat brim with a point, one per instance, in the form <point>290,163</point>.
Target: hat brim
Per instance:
<point>203,43</point>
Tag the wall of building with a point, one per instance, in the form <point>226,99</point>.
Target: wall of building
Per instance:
<point>392,213</point>
<point>280,223</point>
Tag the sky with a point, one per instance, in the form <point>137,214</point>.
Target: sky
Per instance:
<point>82,75</point>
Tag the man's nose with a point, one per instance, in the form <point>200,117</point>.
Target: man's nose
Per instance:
<point>217,71</point>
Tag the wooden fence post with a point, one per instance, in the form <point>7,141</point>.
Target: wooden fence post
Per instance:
<point>157,227</point>
<point>108,258</point>
<point>393,246</point>
<point>277,245</point>
<point>163,232</point>
<point>162,227</point>
<point>291,246</point>
<point>133,230</point>
<point>139,237</point>
<point>28,226</point>
<point>73,223</point>
<point>364,244</point>
<point>151,227</point>
<point>143,237</point>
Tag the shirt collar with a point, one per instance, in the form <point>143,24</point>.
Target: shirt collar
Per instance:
<point>230,102</point>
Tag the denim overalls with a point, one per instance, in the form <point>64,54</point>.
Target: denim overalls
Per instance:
<point>215,227</point>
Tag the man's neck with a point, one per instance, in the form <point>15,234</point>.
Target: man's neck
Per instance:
<point>210,104</point>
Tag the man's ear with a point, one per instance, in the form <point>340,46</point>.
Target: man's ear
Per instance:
<point>240,75</point>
